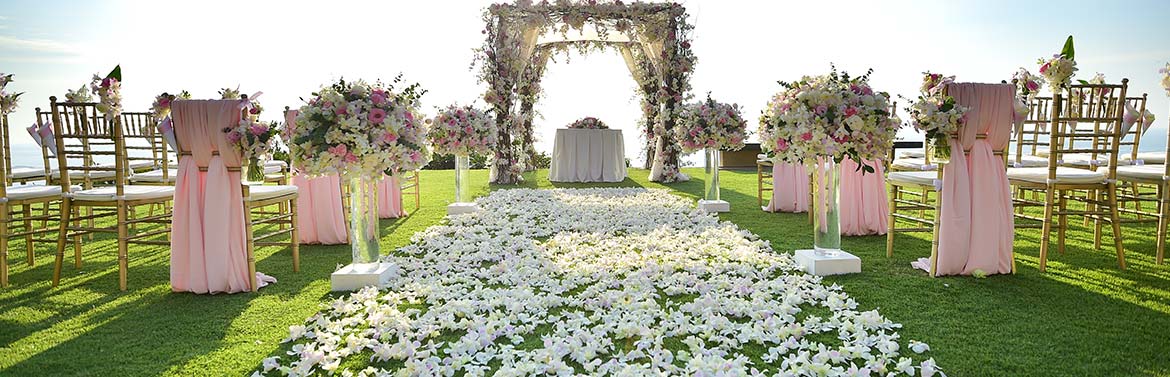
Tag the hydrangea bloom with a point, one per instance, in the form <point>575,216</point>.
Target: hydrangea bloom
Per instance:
<point>596,282</point>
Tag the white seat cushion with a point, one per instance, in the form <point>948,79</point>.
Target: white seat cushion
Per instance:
<point>93,175</point>
<point>925,178</point>
<point>272,169</point>
<point>155,176</point>
<point>26,172</point>
<point>138,165</point>
<point>1144,172</point>
<point>1028,161</point>
<point>279,163</point>
<point>1063,175</point>
<point>913,164</point>
<point>24,192</point>
<point>132,193</point>
<point>1146,157</point>
<point>261,192</point>
<point>1082,159</point>
<point>1042,152</point>
<point>912,154</point>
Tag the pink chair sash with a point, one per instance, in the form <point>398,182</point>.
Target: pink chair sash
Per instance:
<point>390,198</point>
<point>977,227</point>
<point>864,209</point>
<point>320,216</point>
<point>790,188</point>
<point>208,244</point>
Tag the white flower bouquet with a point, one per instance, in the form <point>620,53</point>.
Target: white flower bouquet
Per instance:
<point>1058,70</point>
<point>711,124</point>
<point>935,113</point>
<point>463,130</point>
<point>8,101</point>
<point>589,123</point>
<point>109,91</point>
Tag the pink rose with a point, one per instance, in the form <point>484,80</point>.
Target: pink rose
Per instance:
<point>340,110</point>
<point>781,145</point>
<point>821,109</point>
<point>1032,86</point>
<point>390,137</point>
<point>376,116</point>
<point>339,150</point>
<point>377,98</point>
<point>1044,68</point>
<point>806,136</point>
<point>258,129</point>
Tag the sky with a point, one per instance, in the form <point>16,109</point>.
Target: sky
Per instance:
<point>287,49</point>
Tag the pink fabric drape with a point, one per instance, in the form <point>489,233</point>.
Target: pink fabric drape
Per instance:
<point>320,217</point>
<point>864,209</point>
<point>977,227</point>
<point>208,243</point>
<point>790,188</point>
<point>390,198</point>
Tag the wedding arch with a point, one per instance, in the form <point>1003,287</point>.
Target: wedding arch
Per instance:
<point>653,38</point>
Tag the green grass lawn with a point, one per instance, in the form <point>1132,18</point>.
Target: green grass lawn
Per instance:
<point>1083,317</point>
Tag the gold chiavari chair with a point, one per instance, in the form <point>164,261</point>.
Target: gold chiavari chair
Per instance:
<point>16,205</point>
<point>409,185</point>
<point>1085,120</point>
<point>1155,178</point>
<point>763,178</point>
<point>26,175</point>
<point>99,138</point>
<point>1030,135</point>
<point>146,152</point>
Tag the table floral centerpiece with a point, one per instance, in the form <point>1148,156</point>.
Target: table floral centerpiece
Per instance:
<point>712,127</point>
<point>588,123</point>
<point>819,121</point>
<point>360,131</point>
<point>462,131</point>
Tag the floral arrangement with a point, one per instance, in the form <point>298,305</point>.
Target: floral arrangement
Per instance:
<point>589,123</point>
<point>109,91</point>
<point>229,93</point>
<point>833,115</point>
<point>711,124</point>
<point>1027,84</point>
<point>935,113</point>
<point>609,271</point>
<point>8,101</point>
<point>81,95</point>
<point>1058,70</point>
<point>253,139</point>
<point>356,128</point>
<point>463,130</point>
<point>162,103</point>
<point>254,107</point>
<point>1165,71</point>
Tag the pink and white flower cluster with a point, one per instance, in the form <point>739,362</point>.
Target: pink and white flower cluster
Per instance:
<point>252,138</point>
<point>831,115</point>
<point>1058,71</point>
<point>589,123</point>
<point>463,131</point>
<point>8,101</point>
<point>711,124</point>
<point>356,128</point>
<point>935,113</point>
<point>1166,78</point>
<point>109,91</point>
<point>162,103</point>
<point>1027,84</point>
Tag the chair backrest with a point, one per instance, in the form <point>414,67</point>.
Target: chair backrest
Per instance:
<point>990,117</point>
<point>48,159</point>
<point>1135,133</point>
<point>199,130</point>
<point>1086,119</point>
<point>1032,133</point>
<point>98,145</point>
<point>5,152</point>
<point>143,144</point>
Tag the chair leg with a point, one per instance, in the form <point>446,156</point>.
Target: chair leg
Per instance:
<point>123,257</point>
<point>294,237</point>
<point>62,234</point>
<point>26,211</point>
<point>1115,220</point>
<point>1062,227</point>
<point>1047,228</point>
<point>1163,214</point>
<point>890,230</point>
<point>250,247</point>
<point>3,245</point>
<point>1097,224</point>
<point>1090,197</point>
<point>1135,192</point>
<point>77,240</point>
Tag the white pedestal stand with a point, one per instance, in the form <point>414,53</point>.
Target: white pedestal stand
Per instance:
<point>714,205</point>
<point>842,263</point>
<point>354,277</point>
<point>460,208</point>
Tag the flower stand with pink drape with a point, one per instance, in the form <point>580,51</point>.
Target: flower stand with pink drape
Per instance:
<point>865,209</point>
<point>208,242</point>
<point>977,227</point>
<point>790,188</point>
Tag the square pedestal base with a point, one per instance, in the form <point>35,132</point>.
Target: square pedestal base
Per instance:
<point>842,263</point>
<point>352,278</point>
<point>714,205</point>
<point>460,208</point>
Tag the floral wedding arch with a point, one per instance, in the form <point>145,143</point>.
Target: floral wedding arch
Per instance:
<point>653,38</point>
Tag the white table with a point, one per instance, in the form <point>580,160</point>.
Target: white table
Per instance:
<point>588,156</point>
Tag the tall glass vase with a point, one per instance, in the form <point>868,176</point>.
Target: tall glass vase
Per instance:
<point>711,191</point>
<point>252,170</point>
<point>363,223</point>
<point>462,164</point>
<point>826,218</point>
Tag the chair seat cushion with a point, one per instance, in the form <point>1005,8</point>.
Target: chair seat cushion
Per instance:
<point>925,178</point>
<point>1143,172</point>
<point>132,192</point>
<point>155,176</point>
<point>1063,175</point>
<point>279,163</point>
<point>1028,161</point>
<point>1146,157</point>
<point>913,164</point>
<point>261,192</point>
<point>912,154</point>
<point>25,192</point>
<point>1042,152</point>
<point>24,172</point>
<point>138,165</point>
<point>93,175</point>
<point>1082,159</point>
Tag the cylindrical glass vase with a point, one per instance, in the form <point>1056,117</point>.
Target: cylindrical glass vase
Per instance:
<point>711,191</point>
<point>826,205</point>
<point>252,171</point>
<point>462,165</point>
<point>363,222</point>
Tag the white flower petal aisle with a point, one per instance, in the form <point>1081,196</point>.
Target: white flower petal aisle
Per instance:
<point>597,282</point>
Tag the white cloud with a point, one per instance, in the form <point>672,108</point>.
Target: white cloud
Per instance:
<point>41,45</point>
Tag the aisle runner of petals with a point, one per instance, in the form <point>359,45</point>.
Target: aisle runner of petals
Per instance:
<point>622,282</point>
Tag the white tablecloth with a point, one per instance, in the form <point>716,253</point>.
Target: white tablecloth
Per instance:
<point>588,156</point>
